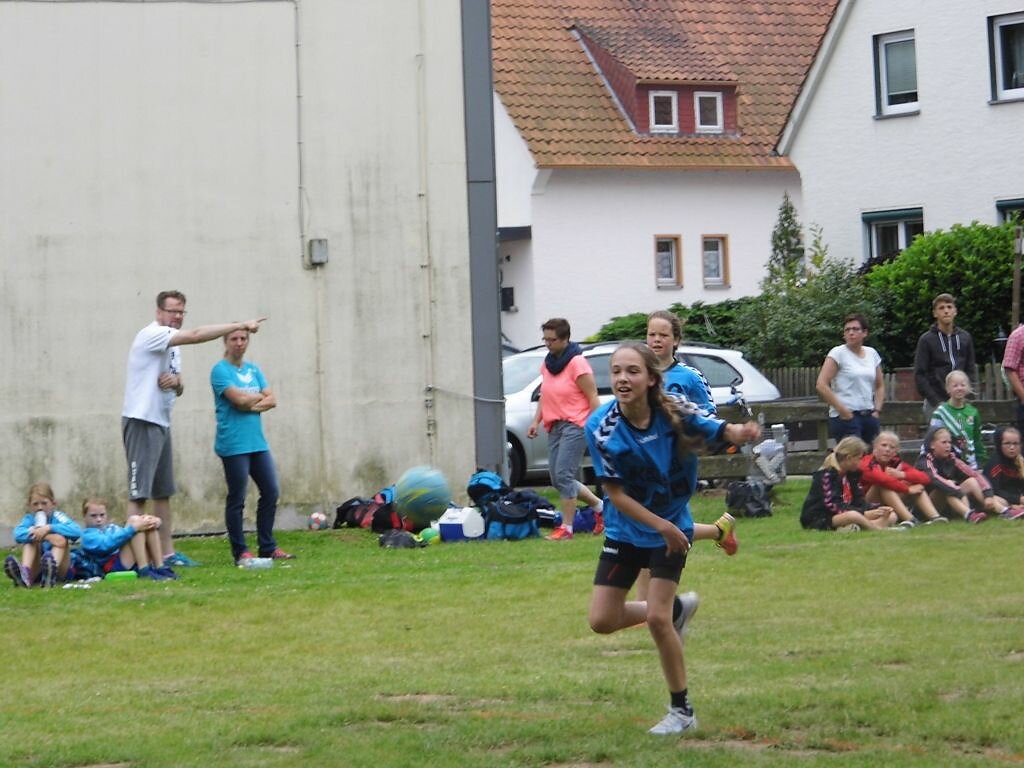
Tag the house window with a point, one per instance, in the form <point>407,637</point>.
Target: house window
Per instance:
<point>1011,210</point>
<point>1006,41</point>
<point>896,73</point>
<point>668,268</point>
<point>715,250</point>
<point>707,109</point>
<point>890,232</point>
<point>664,112</point>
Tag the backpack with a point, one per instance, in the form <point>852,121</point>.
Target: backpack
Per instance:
<point>399,540</point>
<point>584,521</point>
<point>347,513</point>
<point>504,519</point>
<point>378,514</point>
<point>750,498</point>
<point>485,486</point>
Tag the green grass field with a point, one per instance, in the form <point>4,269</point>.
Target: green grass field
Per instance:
<point>886,649</point>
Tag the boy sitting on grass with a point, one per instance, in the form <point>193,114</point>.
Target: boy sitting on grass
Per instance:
<point>110,548</point>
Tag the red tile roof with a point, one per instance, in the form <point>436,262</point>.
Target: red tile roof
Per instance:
<point>564,110</point>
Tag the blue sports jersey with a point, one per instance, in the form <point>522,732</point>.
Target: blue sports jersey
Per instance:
<point>647,465</point>
<point>237,431</point>
<point>58,522</point>
<point>681,379</point>
<point>98,544</point>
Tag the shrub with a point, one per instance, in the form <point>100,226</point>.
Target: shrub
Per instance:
<point>972,262</point>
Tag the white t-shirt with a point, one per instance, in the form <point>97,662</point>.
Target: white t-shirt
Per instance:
<point>147,359</point>
<point>854,382</point>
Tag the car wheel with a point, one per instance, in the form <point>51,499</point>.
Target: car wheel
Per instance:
<point>515,462</point>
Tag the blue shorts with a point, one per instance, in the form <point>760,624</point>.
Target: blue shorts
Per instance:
<point>566,445</point>
<point>863,425</point>
<point>113,564</point>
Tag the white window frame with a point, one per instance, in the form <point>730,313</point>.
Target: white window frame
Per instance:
<point>675,262</point>
<point>722,279</point>
<point>876,221</point>
<point>719,125</point>
<point>1004,90</point>
<point>663,128</point>
<point>881,77</point>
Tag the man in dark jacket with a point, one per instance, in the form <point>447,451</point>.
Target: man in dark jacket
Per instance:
<point>941,349</point>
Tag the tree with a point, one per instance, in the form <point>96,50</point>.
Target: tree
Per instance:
<point>797,327</point>
<point>786,263</point>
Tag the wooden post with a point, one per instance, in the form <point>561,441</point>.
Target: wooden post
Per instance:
<point>1018,240</point>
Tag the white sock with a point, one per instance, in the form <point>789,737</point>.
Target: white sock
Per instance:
<point>599,507</point>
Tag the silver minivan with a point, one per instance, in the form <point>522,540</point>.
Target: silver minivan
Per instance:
<point>528,459</point>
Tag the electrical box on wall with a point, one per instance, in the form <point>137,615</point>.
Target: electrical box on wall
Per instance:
<point>508,300</point>
<point>318,251</point>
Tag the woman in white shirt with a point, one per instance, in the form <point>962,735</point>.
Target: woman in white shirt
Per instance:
<point>850,381</point>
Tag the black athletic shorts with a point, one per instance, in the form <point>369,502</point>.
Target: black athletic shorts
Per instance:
<point>620,564</point>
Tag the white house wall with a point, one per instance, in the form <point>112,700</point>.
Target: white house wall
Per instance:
<point>592,253</point>
<point>149,146</point>
<point>954,159</point>
<point>514,170</point>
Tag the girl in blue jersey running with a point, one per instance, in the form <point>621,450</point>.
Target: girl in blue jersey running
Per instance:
<point>642,444</point>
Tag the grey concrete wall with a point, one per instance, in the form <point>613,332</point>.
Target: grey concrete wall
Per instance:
<point>155,146</point>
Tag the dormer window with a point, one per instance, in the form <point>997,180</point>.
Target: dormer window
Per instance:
<point>664,112</point>
<point>707,110</point>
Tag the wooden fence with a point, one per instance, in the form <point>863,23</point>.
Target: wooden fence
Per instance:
<point>899,384</point>
<point>906,417</point>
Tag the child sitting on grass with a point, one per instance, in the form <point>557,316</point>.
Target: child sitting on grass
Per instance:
<point>962,420</point>
<point>836,500</point>
<point>886,479</point>
<point>46,533</point>
<point>110,548</point>
<point>1005,471</point>
<point>954,484</point>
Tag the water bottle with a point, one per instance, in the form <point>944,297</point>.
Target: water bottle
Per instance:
<point>257,563</point>
<point>41,519</point>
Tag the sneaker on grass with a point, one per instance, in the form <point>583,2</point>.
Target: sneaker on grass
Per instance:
<point>727,542</point>
<point>177,558</point>
<point>247,555</point>
<point>48,571</point>
<point>16,572</point>
<point>688,603</point>
<point>149,572</point>
<point>1013,513</point>
<point>977,516</point>
<point>937,519</point>
<point>907,524</point>
<point>279,554</point>
<point>676,721</point>
<point>561,533</point>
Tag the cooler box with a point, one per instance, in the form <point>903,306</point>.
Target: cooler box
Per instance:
<point>461,524</point>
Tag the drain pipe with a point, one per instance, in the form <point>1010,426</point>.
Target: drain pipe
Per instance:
<point>316,265</point>
<point>428,317</point>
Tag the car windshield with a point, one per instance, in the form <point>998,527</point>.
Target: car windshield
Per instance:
<point>517,371</point>
<point>718,372</point>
